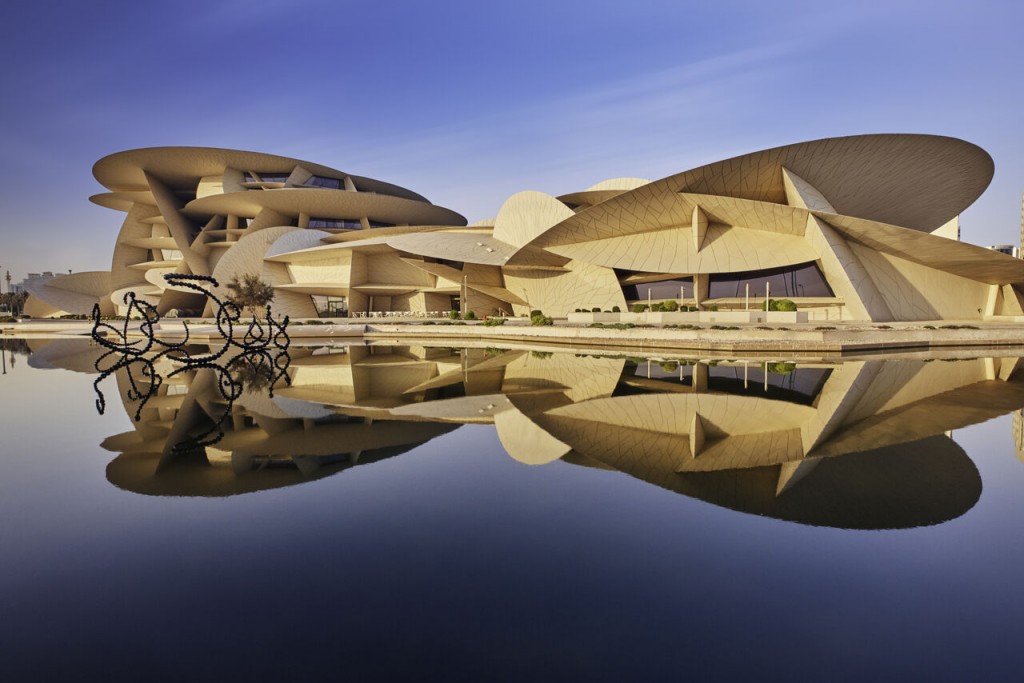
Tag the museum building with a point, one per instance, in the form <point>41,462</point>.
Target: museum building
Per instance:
<point>854,228</point>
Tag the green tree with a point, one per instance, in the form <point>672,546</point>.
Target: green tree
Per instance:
<point>250,292</point>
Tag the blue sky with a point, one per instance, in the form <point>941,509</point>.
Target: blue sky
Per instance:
<point>470,102</point>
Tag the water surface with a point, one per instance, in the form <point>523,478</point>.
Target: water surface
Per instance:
<point>508,514</point>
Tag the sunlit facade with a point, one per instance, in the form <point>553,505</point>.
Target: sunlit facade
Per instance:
<point>855,228</point>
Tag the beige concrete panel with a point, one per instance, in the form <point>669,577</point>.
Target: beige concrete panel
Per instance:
<point>524,440</point>
<point>934,415</point>
<point>478,274</point>
<point>246,256</point>
<point>958,258</point>
<point>298,240</point>
<point>268,219</point>
<point>152,243</point>
<point>381,233</point>
<point>724,249</point>
<point>76,293</point>
<point>211,184</point>
<point>1010,302</point>
<point>652,212</point>
<point>949,230</point>
<point>533,258</point>
<point>37,308</point>
<point>845,273</point>
<point>577,379</point>
<point>439,270</point>
<point>180,166</point>
<point>122,201</point>
<point>181,228</point>
<point>916,292</point>
<point>134,227</point>
<point>918,181</point>
<point>668,451</point>
<point>802,194</point>
<point>843,391</point>
<point>335,271</point>
<point>143,292</point>
<point>645,211</point>
<point>391,269</point>
<point>698,227</point>
<point>455,246</point>
<point>498,294</point>
<point>526,215</point>
<point>913,381</point>
<point>697,439</point>
<point>483,304</point>
<point>622,184</point>
<point>722,414</point>
<point>583,285</point>
<point>326,204</point>
<point>792,472</point>
<point>155,277</point>
<point>295,304</point>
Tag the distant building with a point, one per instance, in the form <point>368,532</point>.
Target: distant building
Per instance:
<point>1007,249</point>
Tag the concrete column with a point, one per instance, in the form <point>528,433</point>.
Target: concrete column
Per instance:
<point>700,288</point>
<point>700,377</point>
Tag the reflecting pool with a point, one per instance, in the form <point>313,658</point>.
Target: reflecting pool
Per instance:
<point>416,512</point>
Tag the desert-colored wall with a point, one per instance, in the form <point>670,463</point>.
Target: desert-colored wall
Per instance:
<point>915,292</point>
<point>558,293</point>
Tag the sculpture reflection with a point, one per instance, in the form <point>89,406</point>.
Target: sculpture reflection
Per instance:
<point>855,444</point>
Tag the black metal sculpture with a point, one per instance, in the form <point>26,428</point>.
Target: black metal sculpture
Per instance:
<point>257,356</point>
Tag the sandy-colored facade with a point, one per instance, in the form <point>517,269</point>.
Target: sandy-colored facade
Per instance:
<point>854,228</point>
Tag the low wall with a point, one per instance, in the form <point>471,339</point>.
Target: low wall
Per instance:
<point>691,317</point>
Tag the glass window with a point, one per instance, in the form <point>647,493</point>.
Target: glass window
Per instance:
<point>662,289</point>
<point>792,281</point>
<point>276,177</point>
<point>326,183</point>
<point>335,223</point>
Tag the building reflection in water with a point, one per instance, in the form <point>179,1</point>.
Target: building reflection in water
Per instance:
<point>854,444</point>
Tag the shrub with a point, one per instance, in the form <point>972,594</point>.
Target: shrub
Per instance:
<point>781,368</point>
<point>616,309</point>
<point>453,315</point>
<point>785,305</point>
<point>669,306</point>
<point>578,310</point>
<point>541,354</point>
<point>537,318</point>
<point>469,315</point>
<point>821,328</point>
<point>639,308</point>
<point>250,292</point>
<point>669,366</point>
<point>595,309</point>
<point>929,327</point>
<point>494,322</point>
<point>712,307</point>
